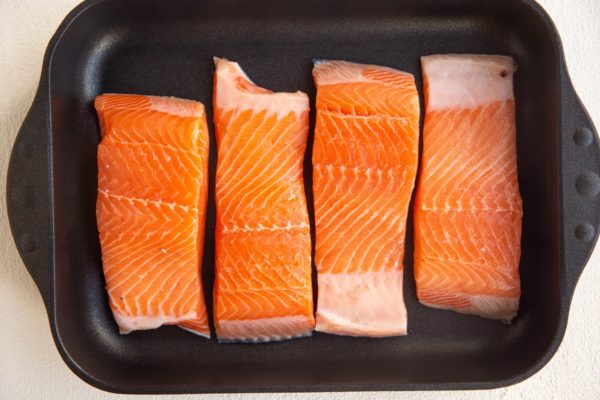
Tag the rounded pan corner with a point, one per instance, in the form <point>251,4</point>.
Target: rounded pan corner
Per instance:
<point>81,372</point>
<point>542,14</point>
<point>541,361</point>
<point>80,9</point>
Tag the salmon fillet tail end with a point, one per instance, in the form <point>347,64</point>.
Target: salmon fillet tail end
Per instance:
<point>468,208</point>
<point>150,209</point>
<point>263,287</point>
<point>368,304</point>
<point>365,157</point>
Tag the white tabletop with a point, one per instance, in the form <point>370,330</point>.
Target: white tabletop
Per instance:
<point>30,366</point>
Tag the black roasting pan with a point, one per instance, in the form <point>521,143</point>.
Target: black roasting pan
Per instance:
<point>166,48</point>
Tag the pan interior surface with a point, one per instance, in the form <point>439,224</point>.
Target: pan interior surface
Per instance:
<point>166,48</point>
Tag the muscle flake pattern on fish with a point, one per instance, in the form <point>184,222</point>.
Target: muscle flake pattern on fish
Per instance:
<point>152,186</point>
<point>468,208</point>
<point>364,164</point>
<point>263,288</point>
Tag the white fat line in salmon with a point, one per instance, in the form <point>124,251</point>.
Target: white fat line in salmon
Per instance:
<point>356,169</point>
<point>262,228</point>
<point>146,202</point>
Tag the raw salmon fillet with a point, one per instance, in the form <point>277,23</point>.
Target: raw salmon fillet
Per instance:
<point>152,187</point>
<point>263,285</point>
<point>468,208</point>
<point>365,159</point>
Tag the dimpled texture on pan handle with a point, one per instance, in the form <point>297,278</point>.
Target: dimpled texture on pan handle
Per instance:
<point>28,188</point>
<point>580,184</point>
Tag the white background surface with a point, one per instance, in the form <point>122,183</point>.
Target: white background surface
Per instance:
<point>30,366</point>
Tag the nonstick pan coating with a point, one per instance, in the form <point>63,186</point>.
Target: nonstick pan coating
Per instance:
<point>166,48</point>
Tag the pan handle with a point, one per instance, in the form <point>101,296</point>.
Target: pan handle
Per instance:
<point>580,183</point>
<point>28,193</point>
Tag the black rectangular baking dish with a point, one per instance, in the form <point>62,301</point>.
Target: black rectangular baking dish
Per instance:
<point>166,48</point>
